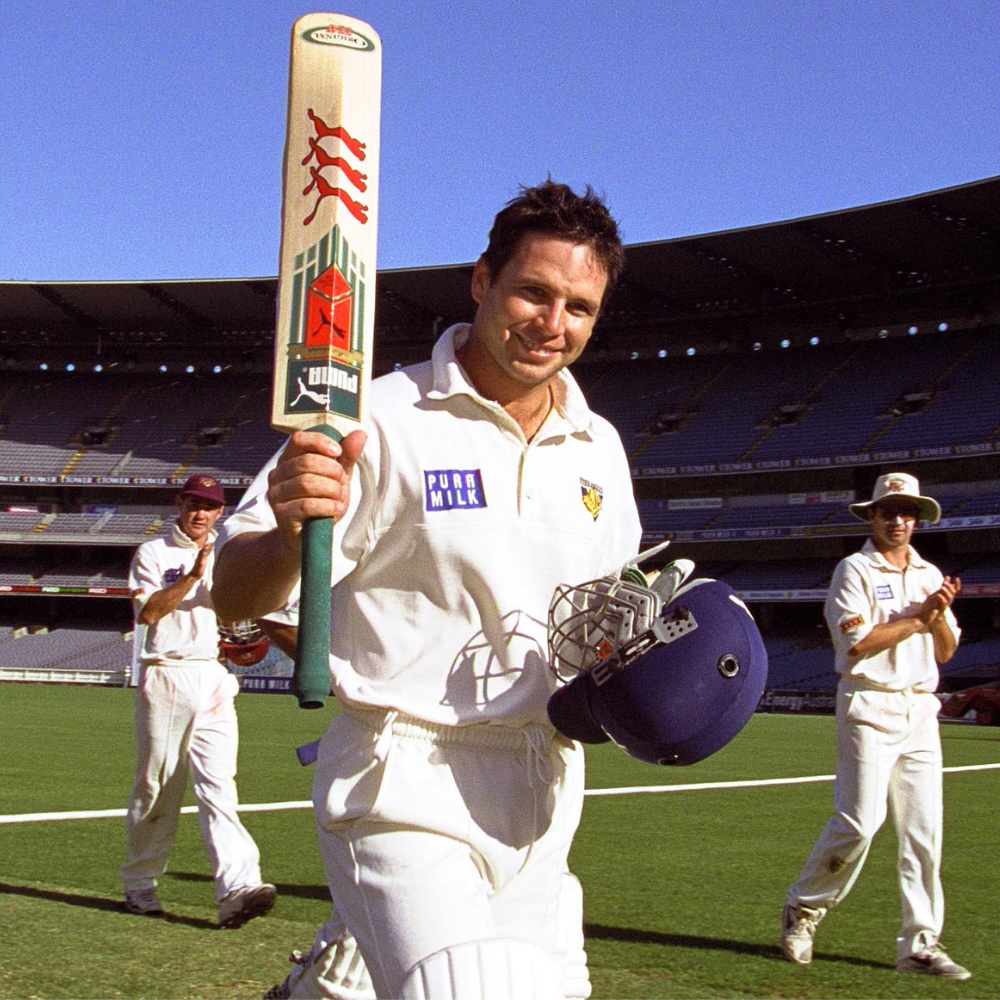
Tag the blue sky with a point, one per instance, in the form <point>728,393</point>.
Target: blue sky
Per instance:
<point>143,140</point>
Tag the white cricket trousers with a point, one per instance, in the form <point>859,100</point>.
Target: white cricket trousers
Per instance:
<point>185,722</point>
<point>888,758</point>
<point>433,836</point>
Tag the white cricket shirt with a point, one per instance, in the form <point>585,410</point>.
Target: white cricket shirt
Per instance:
<point>191,630</point>
<point>865,591</point>
<point>459,531</point>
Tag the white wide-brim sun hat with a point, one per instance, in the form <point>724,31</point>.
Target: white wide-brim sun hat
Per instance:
<point>898,486</point>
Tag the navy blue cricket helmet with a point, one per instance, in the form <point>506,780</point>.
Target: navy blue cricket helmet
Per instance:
<point>669,684</point>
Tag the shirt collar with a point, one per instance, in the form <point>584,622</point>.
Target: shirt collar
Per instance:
<point>450,379</point>
<point>179,538</point>
<point>915,559</point>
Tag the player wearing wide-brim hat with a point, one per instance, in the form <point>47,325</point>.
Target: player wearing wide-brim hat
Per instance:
<point>898,486</point>
<point>889,614</point>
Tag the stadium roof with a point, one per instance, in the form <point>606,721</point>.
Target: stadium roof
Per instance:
<point>941,241</point>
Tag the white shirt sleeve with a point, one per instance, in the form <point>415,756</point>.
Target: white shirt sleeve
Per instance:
<point>143,578</point>
<point>848,608</point>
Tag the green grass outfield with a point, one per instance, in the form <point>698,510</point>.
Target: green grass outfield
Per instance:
<point>683,890</point>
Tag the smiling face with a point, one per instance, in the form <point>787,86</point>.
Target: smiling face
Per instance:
<point>534,317</point>
<point>197,517</point>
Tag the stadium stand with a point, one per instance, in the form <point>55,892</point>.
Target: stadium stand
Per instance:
<point>793,665</point>
<point>760,379</point>
<point>111,425</point>
<point>815,403</point>
<point>65,655</point>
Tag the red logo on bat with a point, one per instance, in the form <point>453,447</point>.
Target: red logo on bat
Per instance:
<point>324,159</point>
<point>323,130</point>
<point>329,301</point>
<point>327,190</point>
<point>319,183</point>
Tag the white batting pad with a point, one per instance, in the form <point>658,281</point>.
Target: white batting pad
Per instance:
<point>495,969</point>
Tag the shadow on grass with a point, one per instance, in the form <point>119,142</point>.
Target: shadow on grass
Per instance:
<point>98,903</point>
<point>605,933</point>
<point>310,891</point>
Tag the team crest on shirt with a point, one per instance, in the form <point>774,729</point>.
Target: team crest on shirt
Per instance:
<point>850,623</point>
<point>883,592</point>
<point>453,489</point>
<point>592,496</point>
<point>172,576</point>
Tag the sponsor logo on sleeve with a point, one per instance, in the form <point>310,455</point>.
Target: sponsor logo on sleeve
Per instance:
<point>851,623</point>
<point>451,489</point>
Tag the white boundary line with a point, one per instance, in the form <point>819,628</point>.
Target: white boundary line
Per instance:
<point>120,813</point>
<point>763,782</point>
<point>633,790</point>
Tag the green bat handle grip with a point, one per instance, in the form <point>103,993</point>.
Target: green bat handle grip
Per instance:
<point>311,677</point>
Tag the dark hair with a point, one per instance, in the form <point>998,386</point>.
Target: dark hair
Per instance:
<point>556,210</point>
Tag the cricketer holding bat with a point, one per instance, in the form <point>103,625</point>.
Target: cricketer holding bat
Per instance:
<point>890,619</point>
<point>445,801</point>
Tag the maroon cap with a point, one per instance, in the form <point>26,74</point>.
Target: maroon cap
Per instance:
<point>205,488</point>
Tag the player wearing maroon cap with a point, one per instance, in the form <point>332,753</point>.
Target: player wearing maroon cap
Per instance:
<point>185,718</point>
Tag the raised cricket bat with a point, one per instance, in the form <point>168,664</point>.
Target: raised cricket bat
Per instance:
<point>326,278</point>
